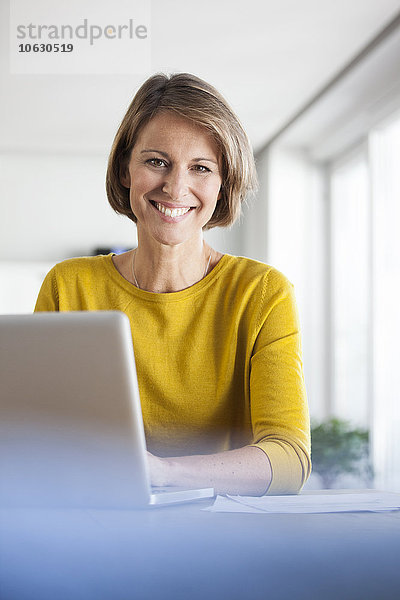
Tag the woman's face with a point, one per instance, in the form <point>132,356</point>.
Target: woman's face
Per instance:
<point>174,179</point>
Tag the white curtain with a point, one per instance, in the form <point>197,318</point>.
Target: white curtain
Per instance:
<point>385,169</point>
<point>350,285</point>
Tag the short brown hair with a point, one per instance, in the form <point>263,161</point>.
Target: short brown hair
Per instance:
<point>200,102</point>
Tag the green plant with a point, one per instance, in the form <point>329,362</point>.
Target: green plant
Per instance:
<point>338,449</point>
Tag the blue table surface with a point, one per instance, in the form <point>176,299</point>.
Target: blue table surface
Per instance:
<point>184,552</point>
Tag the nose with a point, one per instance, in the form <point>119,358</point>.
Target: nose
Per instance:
<point>176,184</point>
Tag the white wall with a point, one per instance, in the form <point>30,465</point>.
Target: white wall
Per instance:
<point>20,285</point>
<point>227,240</point>
<point>54,206</point>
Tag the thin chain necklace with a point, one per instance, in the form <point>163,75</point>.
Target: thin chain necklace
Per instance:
<point>136,281</point>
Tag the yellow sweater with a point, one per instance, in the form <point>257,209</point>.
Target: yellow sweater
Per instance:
<point>219,364</point>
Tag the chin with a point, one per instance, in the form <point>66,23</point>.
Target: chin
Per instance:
<point>176,237</point>
<point>172,240</point>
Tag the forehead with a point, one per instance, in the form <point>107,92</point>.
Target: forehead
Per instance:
<point>169,131</point>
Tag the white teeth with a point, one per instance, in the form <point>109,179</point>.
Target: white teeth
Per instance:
<point>171,212</point>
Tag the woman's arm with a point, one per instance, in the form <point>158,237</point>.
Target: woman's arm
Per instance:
<point>278,461</point>
<point>245,471</point>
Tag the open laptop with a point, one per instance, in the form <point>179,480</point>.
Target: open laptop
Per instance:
<point>71,428</point>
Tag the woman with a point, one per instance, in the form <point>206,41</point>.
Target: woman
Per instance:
<point>216,337</point>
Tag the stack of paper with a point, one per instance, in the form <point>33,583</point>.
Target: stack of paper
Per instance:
<point>371,501</point>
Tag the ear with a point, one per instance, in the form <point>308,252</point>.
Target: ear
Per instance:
<point>125,178</point>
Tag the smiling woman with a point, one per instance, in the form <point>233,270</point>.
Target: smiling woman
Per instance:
<point>216,337</point>
<point>175,169</point>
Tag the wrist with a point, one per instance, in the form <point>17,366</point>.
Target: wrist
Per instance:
<point>170,471</point>
<point>159,470</point>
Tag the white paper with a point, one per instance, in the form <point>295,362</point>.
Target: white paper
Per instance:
<point>370,501</point>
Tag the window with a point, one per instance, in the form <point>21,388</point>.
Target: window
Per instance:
<point>385,153</point>
<point>350,286</point>
<point>364,194</point>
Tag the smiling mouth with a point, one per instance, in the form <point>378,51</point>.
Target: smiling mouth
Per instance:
<point>171,212</point>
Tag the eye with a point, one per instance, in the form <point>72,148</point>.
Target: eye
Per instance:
<point>201,169</point>
<point>156,162</point>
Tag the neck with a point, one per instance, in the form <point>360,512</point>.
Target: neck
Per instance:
<point>163,268</point>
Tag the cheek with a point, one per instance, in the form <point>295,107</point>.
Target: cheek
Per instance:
<point>211,191</point>
<point>143,181</point>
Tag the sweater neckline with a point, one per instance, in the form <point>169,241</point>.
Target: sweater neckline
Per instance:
<point>167,296</point>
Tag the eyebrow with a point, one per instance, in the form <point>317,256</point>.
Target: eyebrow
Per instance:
<point>166,156</point>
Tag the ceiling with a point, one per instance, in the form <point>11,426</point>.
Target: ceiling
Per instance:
<point>268,57</point>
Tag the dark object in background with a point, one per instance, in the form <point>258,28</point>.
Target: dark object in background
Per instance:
<point>339,449</point>
<point>109,249</point>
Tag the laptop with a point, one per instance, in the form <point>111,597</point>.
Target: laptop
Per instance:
<point>71,427</point>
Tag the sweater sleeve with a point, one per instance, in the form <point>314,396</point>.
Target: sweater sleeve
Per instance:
<point>48,300</point>
<point>279,409</point>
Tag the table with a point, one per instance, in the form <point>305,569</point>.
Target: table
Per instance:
<point>183,552</point>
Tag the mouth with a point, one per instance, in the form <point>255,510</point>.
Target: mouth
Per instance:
<point>172,212</point>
